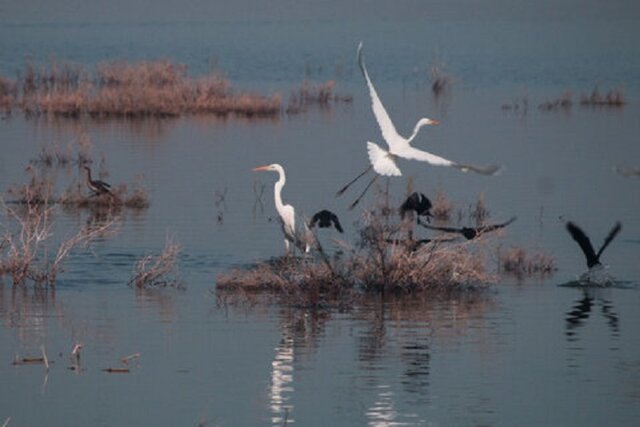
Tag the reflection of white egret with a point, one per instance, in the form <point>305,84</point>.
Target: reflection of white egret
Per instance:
<point>383,161</point>
<point>382,413</point>
<point>286,212</point>
<point>282,380</point>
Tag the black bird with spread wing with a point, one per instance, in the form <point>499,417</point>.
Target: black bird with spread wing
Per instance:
<point>418,203</point>
<point>470,232</point>
<point>592,257</point>
<point>98,187</point>
<point>325,219</point>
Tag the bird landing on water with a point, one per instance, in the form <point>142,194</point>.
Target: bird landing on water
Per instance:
<point>597,273</point>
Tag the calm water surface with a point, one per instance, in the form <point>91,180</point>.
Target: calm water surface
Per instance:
<point>526,353</point>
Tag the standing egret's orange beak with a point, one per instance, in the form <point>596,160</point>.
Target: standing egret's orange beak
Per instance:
<point>435,122</point>
<point>261,168</point>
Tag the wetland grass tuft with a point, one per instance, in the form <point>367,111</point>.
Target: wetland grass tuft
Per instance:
<point>518,262</point>
<point>379,262</point>
<point>154,271</point>
<point>159,88</point>
<point>309,94</point>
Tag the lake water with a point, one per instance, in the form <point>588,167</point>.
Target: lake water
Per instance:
<point>526,353</point>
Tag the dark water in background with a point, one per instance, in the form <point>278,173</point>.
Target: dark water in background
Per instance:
<point>528,353</point>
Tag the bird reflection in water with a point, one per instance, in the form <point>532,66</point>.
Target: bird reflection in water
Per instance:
<point>582,309</point>
<point>301,331</point>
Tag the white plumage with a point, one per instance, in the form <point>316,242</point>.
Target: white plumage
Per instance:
<point>286,212</point>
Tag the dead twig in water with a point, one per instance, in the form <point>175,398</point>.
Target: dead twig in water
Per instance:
<point>117,370</point>
<point>160,270</point>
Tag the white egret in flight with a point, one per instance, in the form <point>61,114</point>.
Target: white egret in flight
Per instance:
<point>383,161</point>
<point>286,212</point>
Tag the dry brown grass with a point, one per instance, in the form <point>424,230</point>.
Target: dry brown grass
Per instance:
<point>562,102</point>
<point>442,207</point>
<point>75,152</point>
<point>519,262</point>
<point>376,264</point>
<point>309,94</point>
<point>8,93</point>
<point>157,88</point>
<point>613,98</point>
<point>77,196</point>
<point>121,89</point>
<point>25,251</point>
<point>153,271</point>
<point>38,190</point>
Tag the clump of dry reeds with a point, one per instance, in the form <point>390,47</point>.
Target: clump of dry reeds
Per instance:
<point>38,190</point>
<point>382,261</point>
<point>518,262</point>
<point>153,271</point>
<point>613,98</point>
<point>78,196</point>
<point>121,89</point>
<point>321,94</point>
<point>8,93</point>
<point>25,251</point>
<point>442,207</point>
<point>479,211</point>
<point>564,102</point>
<point>54,154</point>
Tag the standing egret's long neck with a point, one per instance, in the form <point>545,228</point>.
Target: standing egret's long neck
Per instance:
<point>88,174</point>
<point>277,191</point>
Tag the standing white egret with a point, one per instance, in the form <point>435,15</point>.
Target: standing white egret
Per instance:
<point>286,212</point>
<point>383,161</point>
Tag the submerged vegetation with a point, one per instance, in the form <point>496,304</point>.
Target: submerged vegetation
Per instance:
<point>158,88</point>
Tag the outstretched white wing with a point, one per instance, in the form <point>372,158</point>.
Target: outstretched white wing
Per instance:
<point>411,153</point>
<point>389,133</point>
<point>382,161</point>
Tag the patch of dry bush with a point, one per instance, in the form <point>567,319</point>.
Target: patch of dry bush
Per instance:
<point>121,89</point>
<point>153,271</point>
<point>379,263</point>
<point>518,262</point>
<point>321,94</point>
<point>26,253</point>
<point>442,207</point>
